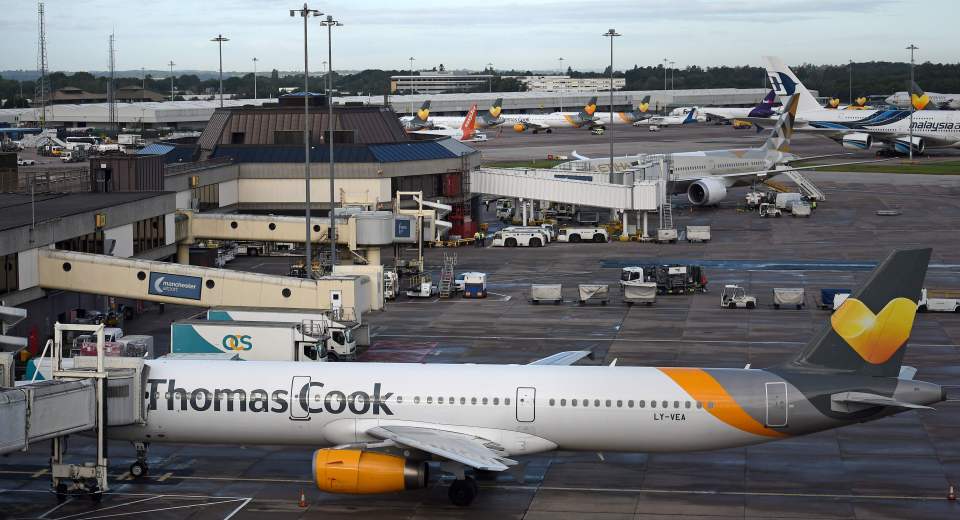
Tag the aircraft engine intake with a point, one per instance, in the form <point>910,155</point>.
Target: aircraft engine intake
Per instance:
<point>857,141</point>
<point>706,192</point>
<point>902,145</point>
<point>519,127</point>
<point>359,472</point>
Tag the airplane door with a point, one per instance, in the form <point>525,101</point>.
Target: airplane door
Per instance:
<point>526,404</point>
<point>297,410</point>
<point>776,404</point>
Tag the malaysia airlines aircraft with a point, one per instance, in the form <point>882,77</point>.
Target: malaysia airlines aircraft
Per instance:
<point>545,122</point>
<point>375,425</point>
<point>924,100</point>
<point>764,109</point>
<point>418,121</point>
<point>860,129</point>
<point>466,132</point>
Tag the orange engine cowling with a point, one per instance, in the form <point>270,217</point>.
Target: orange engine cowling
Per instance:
<point>360,472</point>
<point>519,127</point>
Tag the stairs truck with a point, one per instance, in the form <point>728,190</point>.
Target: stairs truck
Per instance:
<point>342,335</point>
<point>251,340</point>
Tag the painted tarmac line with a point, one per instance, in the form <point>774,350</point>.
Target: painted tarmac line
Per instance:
<point>112,493</point>
<point>718,493</point>
<point>58,506</point>
<point>634,340</point>
<point>164,477</point>
<point>238,509</point>
<point>40,473</point>
<point>109,507</point>
<point>159,509</point>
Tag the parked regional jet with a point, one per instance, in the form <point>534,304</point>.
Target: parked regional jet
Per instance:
<point>466,132</point>
<point>544,122</point>
<point>376,425</point>
<point>689,117</point>
<point>859,129</point>
<point>418,121</point>
<point>764,109</point>
<point>924,100</point>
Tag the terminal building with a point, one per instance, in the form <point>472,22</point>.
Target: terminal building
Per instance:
<point>438,82</point>
<point>567,84</point>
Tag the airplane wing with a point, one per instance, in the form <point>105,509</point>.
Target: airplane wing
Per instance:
<point>475,452</point>
<point>764,173</point>
<point>563,358</point>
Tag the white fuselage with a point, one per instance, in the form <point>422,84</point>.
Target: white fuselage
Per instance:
<point>525,408</point>
<point>939,128</point>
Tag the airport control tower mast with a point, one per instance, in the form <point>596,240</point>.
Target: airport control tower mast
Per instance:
<point>42,91</point>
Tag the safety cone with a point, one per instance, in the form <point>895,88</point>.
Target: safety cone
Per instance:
<point>951,493</point>
<point>303,498</point>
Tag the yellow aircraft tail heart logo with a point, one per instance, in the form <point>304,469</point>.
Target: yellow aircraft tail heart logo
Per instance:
<point>590,109</point>
<point>644,107</point>
<point>919,102</point>
<point>495,111</point>
<point>861,101</point>
<point>423,114</point>
<point>834,103</point>
<point>875,337</point>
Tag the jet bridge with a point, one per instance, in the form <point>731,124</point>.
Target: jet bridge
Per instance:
<point>200,286</point>
<point>565,187</point>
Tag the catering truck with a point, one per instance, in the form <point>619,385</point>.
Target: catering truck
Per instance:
<point>252,340</point>
<point>344,335</point>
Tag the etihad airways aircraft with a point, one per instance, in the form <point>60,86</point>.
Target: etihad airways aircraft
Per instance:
<point>376,425</point>
<point>860,129</point>
<point>924,100</point>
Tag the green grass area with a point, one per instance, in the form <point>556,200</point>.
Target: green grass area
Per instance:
<point>537,163</point>
<point>925,167</point>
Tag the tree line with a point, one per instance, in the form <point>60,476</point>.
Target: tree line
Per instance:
<point>869,78</point>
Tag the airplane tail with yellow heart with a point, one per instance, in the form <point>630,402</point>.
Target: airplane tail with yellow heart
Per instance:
<point>868,334</point>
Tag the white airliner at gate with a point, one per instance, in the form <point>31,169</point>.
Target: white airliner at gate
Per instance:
<point>565,187</point>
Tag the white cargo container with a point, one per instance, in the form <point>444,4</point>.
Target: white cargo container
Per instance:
<point>343,336</point>
<point>698,233</point>
<point>252,340</point>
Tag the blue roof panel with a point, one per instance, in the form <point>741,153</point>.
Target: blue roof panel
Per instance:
<point>412,151</point>
<point>156,149</point>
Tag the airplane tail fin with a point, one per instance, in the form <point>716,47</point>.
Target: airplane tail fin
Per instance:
<point>765,108</point>
<point>589,108</point>
<point>469,123</point>
<point>779,140</point>
<point>644,104</point>
<point>918,97</point>
<point>496,107</point>
<point>424,113</point>
<point>786,84</point>
<point>691,116</point>
<point>868,333</point>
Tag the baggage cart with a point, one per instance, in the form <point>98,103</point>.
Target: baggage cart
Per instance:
<point>546,293</point>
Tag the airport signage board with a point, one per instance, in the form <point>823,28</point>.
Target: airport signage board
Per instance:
<point>175,285</point>
<point>403,229</point>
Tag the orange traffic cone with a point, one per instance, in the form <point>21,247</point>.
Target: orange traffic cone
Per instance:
<point>951,494</point>
<point>303,498</point>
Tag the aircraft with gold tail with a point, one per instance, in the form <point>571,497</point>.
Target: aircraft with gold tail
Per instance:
<point>386,427</point>
<point>420,120</point>
<point>924,100</point>
<point>585,118</point>
<point>627,117</point>
<point>488,119</point>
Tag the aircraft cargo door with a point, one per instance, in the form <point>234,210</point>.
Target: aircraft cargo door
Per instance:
<point>526,404</point>
<point>776,404</point>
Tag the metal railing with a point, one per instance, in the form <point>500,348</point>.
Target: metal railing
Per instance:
<point>181,168</point>
<point>58,180</point>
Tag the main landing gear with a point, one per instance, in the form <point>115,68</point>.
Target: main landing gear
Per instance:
<point>463,491</point>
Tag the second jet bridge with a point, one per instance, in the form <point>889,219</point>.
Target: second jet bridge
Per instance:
<point>583,188</point>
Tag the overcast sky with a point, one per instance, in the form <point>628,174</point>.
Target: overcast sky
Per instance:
<point>522,34</point>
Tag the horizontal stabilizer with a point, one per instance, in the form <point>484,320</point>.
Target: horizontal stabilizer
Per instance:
<point>849,402</point>
<point>563,358</point>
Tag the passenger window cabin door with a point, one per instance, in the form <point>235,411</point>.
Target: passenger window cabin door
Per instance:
<point>776,415</point>
<point>526,404</point>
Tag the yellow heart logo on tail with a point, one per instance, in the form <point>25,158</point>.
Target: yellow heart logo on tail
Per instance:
<point>495,111</point>
<point>423,114</point>
<point>875,337</point>
<point>919,102</point>
<point>861,101</point>
<point>590,109</point>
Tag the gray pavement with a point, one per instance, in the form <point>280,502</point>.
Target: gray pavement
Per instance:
<point>898,467</point>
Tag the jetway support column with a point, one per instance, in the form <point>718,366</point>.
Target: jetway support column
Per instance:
<point>523,209</point>
<point>646,233</point>
<point>624,234</point>
<point>183,253</point>
<point>373,256</point>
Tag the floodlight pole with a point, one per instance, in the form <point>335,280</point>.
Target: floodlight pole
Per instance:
<point>220,39</point>
<point>330,23</point>
<point>911,48</point>
<point>306,13</point>
<point>612,33</point>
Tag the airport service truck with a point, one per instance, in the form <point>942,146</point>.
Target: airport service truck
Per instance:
<point>939,301</point>
<point>252,340</point>
<point>343,335</point>
<point>582,234</point>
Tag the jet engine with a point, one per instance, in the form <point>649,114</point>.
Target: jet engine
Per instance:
<point>902,145</point>
<point>858,141</point>
<point>519,127</point>
<point>706,192</point>
<point>359,472</point>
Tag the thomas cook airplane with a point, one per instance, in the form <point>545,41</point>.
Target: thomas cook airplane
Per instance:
<point>376,425</point>
<point>488,119</point>
<point>924,100</point>
<point>545,122</point>
<point>420,120</point>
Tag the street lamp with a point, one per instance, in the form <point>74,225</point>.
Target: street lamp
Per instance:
<point>220,39</point>
<point>306,13</point>
<point>330,23</point>
<point>490,78</point>
<point>672,69</point>
<point>850,70</point>
<point>411,74</point>
<point>911,48</point>
<point>255,77</point>
<point>612,33</point>
<point>665,61</point>
<point>562,85</point>
<point>171,79</point>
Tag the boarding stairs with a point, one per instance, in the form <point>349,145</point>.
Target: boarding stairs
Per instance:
<point>666,203</point>
<point>446,275</point>
<point>776,186</point>
<point>807,187</point>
